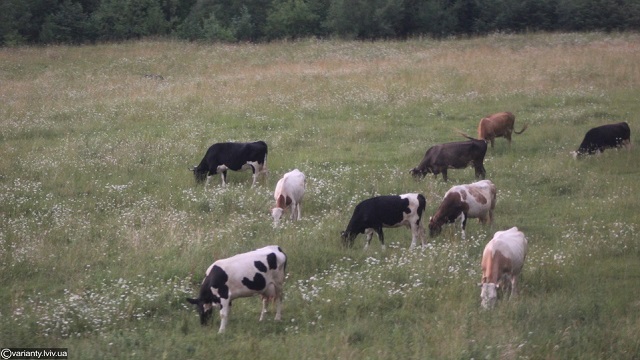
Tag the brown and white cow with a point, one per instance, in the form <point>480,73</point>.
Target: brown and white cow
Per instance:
<point>289,192</point>
<point>476,200</point>
<point>259,272</point>
<point>502,262</point>
<point>498,125</point>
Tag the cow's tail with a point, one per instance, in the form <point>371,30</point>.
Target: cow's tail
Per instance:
<point>523,129</point>
<point>264,170</point>
<point>460,132</point>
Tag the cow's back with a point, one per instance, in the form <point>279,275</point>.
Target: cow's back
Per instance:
<point>293,184</point>
<point>495,125</point>
<point>513,245</point>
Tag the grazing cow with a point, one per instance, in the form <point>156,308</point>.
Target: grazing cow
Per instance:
<point>373,214</point>
<point>221,157</point>
<point>476,200</point>
<point>289,192</point>
<point>502,262</point>
<point>603,137</point>
<point>498,125</point>
<point>453,155</point>
<point>259,272</point>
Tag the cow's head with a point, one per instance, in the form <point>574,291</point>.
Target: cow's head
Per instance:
<point>199,175</point>
<point>348,238</point>
<point>419,174</point>
<point>435,227</point>
<point>204,309</point>
<point>276,213</point>
<point>488,295</point>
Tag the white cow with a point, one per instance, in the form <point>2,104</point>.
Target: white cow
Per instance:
<point>476,200</point>
<point>502,261</point>
<point>289,192</point>
<point>259,272</point>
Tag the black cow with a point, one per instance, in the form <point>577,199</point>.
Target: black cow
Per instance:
<point>453,155</point>
<point>603,137</point>
<point>373,214</point>
<point>221,157</point>
<point>259,272</point>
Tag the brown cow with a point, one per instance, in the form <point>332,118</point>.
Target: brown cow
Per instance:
<point>498,125</point>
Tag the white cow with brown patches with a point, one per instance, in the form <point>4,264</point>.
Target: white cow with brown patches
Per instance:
<point>502,262</point>
<point>476,200</point>
<point>289,192</point>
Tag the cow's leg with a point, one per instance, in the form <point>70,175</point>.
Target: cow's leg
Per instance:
<point>223,175</point>
<point>225,307</point>
<point>254,172</point>
<point>299,212</point>
<point>278,301</point>
<point>444,174</point>
<point>265,305</point>
<point>222,169</point>
<point>417,230</point>
<point>415,234</point>
<point>480,171</point>
<point>381,237</point>
<point>207,181</point>
<point>369,234</point>
<point>463,217</point>
<point>514,291</point>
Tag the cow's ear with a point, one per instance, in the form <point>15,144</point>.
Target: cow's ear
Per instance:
<point>193,301</point>
<point>479,284</point>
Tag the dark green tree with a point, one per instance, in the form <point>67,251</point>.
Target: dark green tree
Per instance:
<point>66,25</point>
<point>365,19</point>
<point>242,25</point>
<point>290,19</point>
<point>435,18</point>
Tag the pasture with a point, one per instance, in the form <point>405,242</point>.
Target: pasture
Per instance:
<point>104,233</point>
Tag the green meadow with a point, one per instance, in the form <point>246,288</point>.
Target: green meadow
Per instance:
<point>104,232</point>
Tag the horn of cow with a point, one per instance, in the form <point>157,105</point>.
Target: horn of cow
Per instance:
<point>465,135</point>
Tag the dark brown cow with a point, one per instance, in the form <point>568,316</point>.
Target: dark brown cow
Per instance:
<point>498,125</point>
<point>453,155</point>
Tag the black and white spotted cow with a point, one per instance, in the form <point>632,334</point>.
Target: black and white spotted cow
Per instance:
<point>259,272</point>
<point>235,156</point>
<point>373,214</point>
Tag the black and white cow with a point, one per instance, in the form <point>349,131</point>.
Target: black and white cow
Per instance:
<point>373,214</point>
<point>599,138</point>
<point>454,155</point>
<point>259,272</point>
<point>235,156</point>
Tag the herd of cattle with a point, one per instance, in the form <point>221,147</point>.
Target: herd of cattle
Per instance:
<point>262,272</point>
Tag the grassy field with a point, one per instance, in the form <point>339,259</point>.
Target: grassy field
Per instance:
<point>103,231</point>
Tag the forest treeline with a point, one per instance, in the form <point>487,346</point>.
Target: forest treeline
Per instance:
<point>87,21</point>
